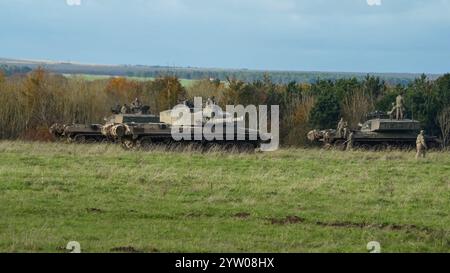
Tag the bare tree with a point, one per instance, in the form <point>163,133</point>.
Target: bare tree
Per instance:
<point>296,119</point>
<point>444,124</point>
<point>355,106</point>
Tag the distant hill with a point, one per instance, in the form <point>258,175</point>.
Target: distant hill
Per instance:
<point>194,73</point>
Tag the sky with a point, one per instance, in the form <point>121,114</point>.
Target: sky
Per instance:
<point>301,35</point>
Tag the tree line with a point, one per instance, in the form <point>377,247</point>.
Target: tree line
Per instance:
<point>32,102</point>
<point>195,73</point>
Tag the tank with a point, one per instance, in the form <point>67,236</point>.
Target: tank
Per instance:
<point>80,133</point>
<point>151,130</point>
<point>377,133</point>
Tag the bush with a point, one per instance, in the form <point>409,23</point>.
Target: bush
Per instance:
<point>326,112</point>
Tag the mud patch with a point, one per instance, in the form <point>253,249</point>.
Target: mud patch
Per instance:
<point>286,221</point>
<point>197,215</point>
<point>153,250</point>
<point>125,249</point>
<point>94,210</point>
<point>193,215</point>
<point>242,215</point>
<point>394,227</point>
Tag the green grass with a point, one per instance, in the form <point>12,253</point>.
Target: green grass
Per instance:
<point>106,198</point>
<point>88,77</point>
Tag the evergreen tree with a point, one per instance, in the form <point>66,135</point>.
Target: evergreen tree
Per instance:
<point>326,112</point>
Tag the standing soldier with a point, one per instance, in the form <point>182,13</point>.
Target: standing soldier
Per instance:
<point>340,128</point>
<point>124,109</point>
<point>421,145</point>
<point>345,130</point>
<point>350,141</point>
<point>210,102</point>
<point>327,137</point>
<point>400,107</point>
<point>393,111</point>
<point>136,106</point>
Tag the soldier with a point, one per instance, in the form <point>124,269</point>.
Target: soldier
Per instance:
<point>327,137</point>
<point>340,128</point>
<point>400,107</point>
<point>209,102</point>
<point>136,103</point>
<point>421,145</point>
<point>136,106</point>
<point>350,141</point>
<point>345,130</point>
<point>124,109</point>
<point>393,111</point>
<point>116,109</point>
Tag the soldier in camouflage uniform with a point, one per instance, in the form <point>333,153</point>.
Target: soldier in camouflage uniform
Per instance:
<point>393,111</point>
<point>345,130</point>
<point>125,109</point>
<point>400,107</point>
<point>340,128</point>
<point>421,145</point>
<point>136,106</point>
<point>350,141</point>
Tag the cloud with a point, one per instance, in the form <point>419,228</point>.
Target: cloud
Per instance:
<point>374,2</point>
<point>73,2</point>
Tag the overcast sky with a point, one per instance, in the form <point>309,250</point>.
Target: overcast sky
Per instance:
<point>319,35</point>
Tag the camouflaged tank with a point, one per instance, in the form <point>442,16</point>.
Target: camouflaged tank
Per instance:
<point>87,133</point>
<point>150,130</point>
<point>80,133</point>
<point>377,133</point>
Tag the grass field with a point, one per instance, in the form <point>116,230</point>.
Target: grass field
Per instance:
<point>288,201</point>
<point>88,77</point>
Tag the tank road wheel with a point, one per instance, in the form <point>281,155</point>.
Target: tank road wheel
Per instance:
<point>340,145</point>
<point>366,147</point>
<point>145,143</point>
<point>79,139</point>
<point>434,146</point>
<point>128,144</point>
<point>388,147</point>
<point>212,147</point>
<point>380,147</point>
<point>406,147</point>
<point>327,146</point>
<point>91,140</point>
<point>247,147</point>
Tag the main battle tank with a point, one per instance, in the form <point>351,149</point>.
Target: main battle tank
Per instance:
<point>377,133</point>
<point>158,130</point>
